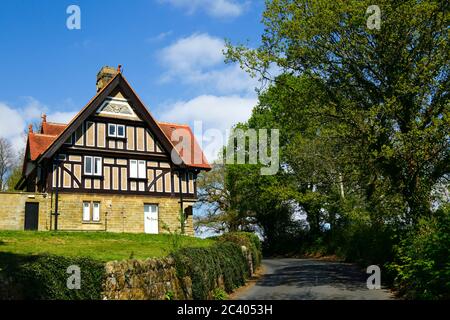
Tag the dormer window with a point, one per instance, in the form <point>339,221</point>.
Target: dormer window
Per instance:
<point>116,130</point>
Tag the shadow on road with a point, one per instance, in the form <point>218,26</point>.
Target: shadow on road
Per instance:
<point>308,279</point>
<point>317,273</point>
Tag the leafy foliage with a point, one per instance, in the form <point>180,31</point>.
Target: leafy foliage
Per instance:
<point>44,277</point>
<point>224,261</point>
<point>219,294</point>
<point>247,239</point>
<point>206,265</point>
<point>422,260</point>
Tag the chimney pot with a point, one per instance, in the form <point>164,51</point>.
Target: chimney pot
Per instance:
<point>30,128</point>
<point>44,118</point>
<point>104,76</point>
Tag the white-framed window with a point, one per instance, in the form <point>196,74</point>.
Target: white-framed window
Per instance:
<point>138,169</point>
<point>96,211</point>
<point>86,211</point>
<point>91,211</point>
<point>142,172</point>
<point>116,130</point>
<point>112,130</point>
<point>92,166</point>
<point>120,131</point>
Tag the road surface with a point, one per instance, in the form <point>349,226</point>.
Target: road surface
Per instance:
<point>308,279</point>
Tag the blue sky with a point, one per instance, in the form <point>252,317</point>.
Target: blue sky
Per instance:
<point>170,51</point>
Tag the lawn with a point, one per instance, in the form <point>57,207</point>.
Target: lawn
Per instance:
<point>100,246</point>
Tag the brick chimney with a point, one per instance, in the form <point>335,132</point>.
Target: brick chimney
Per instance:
<point>105,75</point>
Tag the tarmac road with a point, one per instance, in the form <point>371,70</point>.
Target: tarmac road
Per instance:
<point>309,279</point>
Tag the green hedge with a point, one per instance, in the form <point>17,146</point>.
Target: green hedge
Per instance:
<point>224,259</point>
<point>44,277</point>
<point>205,265</point>
<point>250,240</point>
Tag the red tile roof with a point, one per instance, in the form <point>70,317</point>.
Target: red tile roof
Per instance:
<point>39,143</point>
<point>195,158</point>
<point>53,129</point>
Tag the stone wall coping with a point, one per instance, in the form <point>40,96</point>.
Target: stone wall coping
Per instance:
<point>24,193</point>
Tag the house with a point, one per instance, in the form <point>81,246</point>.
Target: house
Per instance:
<point>112,168</point>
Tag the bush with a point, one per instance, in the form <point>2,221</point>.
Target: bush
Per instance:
<point>422,260</point>
<point>219,294</point>
<point>44,277</point>
<point>205,266</point>
<point>366,244</point>
<point>247,239</point>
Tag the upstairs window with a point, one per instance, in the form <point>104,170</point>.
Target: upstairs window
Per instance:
<point>120,131</point>
<point>138,169</point>
<point>116,130</point>
<point>112,130</point>
<point>92,166</point>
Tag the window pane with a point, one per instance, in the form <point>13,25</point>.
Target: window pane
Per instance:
<point>96,212</point>
<point>133,169</point>
<point>112,130</point>
<point>142,169</point>
<point>86,211</point>
<point>98,166</point>
<point>121,131</point>
<point>88,165</point>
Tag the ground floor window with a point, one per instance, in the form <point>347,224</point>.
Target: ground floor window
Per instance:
<point>91,211</point>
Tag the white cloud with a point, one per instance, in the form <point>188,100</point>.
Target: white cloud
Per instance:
<point>217,115</point>
<point>14,120</point>
<point>160,37</point>
<point>198,61</point>
<point>61,117</point>
<point>214,8</point>
<point>196,52</point>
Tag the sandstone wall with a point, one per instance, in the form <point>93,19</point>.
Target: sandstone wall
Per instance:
<point>118,213</point>
<point>12,210</point>
<point>152,279</point>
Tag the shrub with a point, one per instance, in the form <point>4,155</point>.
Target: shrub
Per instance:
<point>247,239</point>
<point>365,243</point>
<point>205,266</point>
<point>422,259</point>
<point>44,277</point>
<point>219,294</point>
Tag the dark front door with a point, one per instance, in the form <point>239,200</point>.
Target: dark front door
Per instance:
<point>31,216</point>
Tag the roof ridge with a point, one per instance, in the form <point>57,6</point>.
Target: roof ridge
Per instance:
<point>173,123</point>
<point>56,123</point>
<point>43,134</point>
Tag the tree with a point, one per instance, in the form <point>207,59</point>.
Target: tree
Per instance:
<point>6,161</point>
<point>15,173</point>
<point>386,89</point>
<point>217,201</point>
